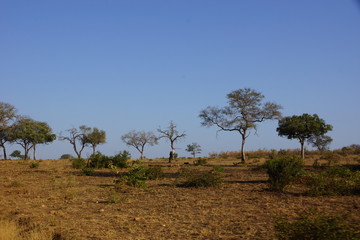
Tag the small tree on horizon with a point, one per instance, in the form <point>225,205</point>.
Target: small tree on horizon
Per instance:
<point>244,112</point>
<point>303,128</point>
<point>95,137</point>
<point>8,114</point>
<point>77,138</point>
<point>173,135</point>
<point>138,140</point>
<point>321,142</point>
<point>193,148</point>
<point>28,133</point>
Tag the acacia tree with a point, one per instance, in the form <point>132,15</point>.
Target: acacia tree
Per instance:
<point>173,135</point>
<point>77,137</point>
<point>321,142</point>
<point>138,140</point>
<point>303,128</point>
<point>193,148</point>
<point>7,117</point>
<point>28,133</point>
<point>244,111</point>
<point>42,134</point>
<point>95,138</point>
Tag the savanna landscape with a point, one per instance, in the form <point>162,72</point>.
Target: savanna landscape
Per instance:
<point>57,199</point>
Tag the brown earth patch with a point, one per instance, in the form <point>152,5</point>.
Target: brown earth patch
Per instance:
<point>61,200</point>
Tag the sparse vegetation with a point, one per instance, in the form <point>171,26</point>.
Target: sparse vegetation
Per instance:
<point>334,181</point>
<point>312,225</point>
<point>78,163</point>
<point>34,165</point>
<point>200,162</point>
<point>199,178</point>
<point>10,230</point>
<point>283,171</point>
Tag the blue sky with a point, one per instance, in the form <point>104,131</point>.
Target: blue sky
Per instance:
<point>124,65</point>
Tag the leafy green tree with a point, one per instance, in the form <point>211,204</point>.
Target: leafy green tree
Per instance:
<point>95,138</point>
<point>303,128</point>
<point>244,111</point>
<point>173,135</point>
<point>7,117</point>
<point>16,154</point>
<point>28,133</point>
<point>138,140</point>
<point>77,138</point>
<point>66,156</point>
<point>193,148</point>
<point>42,135</point>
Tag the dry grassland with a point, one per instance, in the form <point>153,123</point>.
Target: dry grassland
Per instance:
<point>58,200</point>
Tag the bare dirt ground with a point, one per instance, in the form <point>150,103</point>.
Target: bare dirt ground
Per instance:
<point>59,199</point>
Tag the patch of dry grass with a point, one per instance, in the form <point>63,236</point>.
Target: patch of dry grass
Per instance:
<point>10,230</point>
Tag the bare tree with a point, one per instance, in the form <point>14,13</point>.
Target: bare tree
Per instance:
<point>173,135</point>
<point>244,111</point>
<point>77,137</point>
<point>138,140</point>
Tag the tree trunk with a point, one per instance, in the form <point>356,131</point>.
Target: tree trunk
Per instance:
<point>26,154</point>
<point>302,142</point>
<point>4,151</point>
<point>172,153</point>
<point>93,147</point>
<point>243,157</point>
<point>77,153</point>
<point>34,146</point>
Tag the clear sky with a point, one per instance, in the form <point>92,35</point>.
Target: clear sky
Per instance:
<point>138,64</point>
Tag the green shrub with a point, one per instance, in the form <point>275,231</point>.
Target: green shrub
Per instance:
<point>333,181</point>
<point>34,165</point>
<point>283,171</point>
<point>121,160</point>
<point>78,163</point>
<point>137,176</point>
<point>66,156</point>
<point>312,225</point>
<point>218,168</point>
<point>154,172</point>
<point>98,160</point>
<point>200,162</point>
<point>198,178</point>
<point>88,171</point>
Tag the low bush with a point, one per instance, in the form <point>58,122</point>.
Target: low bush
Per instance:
<point>34,165</point>
<point>198,178</point>
<point>137,176</point>
<point>333,181</point>
<point>88,171</point>
<point>283,171</point>
<point>121,160</point>
<point>218,168</point>
<point>311,225</point>
<point>78,163</point>
<point>154,172</point>
<point>200,162</point>
<point>99,160</point>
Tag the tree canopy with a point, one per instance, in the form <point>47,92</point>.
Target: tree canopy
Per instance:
<point>8,114</point>
<point>244,111</point>
<point>193,148</point>
<point>95,137</point>
<point>138,140</point>
<point>28,133</point>
<point>303,127</point>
